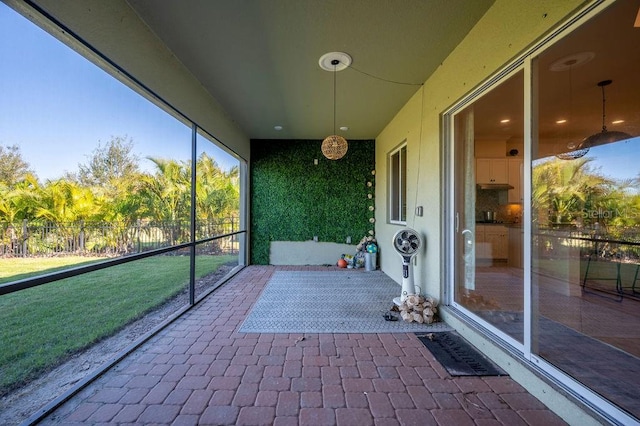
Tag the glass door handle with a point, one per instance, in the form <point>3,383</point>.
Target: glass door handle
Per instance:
<point>469,258</point>
<point>469,241</point>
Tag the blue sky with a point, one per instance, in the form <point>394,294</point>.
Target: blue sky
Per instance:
<point>57,106</point>
<point>619,160</point>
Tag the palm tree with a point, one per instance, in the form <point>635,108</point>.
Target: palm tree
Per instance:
<point>167,196</point>
<point>19,201</point>
<point>217,196</point>
<point>562,190</point>
<point>63,201</point>
<point>217,191</point>
<point>66,205</point>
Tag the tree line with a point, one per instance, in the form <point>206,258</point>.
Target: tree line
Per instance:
<point>575,194</point>
<point>111,187</point>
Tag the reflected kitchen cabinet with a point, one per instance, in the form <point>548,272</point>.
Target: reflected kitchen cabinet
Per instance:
<point>516,177</point>
<point>516,237</point>
<point>491,170</point>
<point>491,242</point>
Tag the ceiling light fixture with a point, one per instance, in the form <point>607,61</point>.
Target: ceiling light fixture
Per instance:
<point>574,153</point>
<point>604,136</point>
<point>571,61</point>
<point>334,147</point>
<point>601,138</point>
<point>505,121</point>
<point>561,121</point>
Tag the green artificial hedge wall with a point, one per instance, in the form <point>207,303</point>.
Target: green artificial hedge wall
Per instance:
<point>292,199</point>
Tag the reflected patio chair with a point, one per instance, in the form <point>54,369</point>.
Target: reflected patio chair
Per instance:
<point>594,275</point>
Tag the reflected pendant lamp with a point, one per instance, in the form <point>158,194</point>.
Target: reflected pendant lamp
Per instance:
<point>601,138</point>
<point>334,147</point>
<point>604,136</point>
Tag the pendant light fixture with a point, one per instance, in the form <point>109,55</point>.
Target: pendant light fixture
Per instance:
<point>335,146</point>
<point>604,136</point>
<point>601,138</point>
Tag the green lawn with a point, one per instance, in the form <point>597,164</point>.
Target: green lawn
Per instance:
<point>17,268</point>
<point>44,325</point>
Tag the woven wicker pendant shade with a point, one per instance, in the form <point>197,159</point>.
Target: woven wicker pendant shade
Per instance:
<point>334,147</point>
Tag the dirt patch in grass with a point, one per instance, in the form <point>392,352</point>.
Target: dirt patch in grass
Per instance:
<point>21,403</point>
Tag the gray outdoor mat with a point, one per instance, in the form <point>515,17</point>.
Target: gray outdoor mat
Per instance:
<point>329,302</point>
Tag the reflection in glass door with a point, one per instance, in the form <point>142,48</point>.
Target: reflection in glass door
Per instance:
<point>585,206</point>
<point>583,226</point>
<point>488,163</point>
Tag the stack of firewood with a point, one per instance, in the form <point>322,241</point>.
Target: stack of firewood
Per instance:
<point>419,309</point>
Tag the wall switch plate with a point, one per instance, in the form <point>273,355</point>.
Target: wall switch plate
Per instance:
<point>419,211</point>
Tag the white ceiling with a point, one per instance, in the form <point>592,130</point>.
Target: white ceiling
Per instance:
<point>259,58</point>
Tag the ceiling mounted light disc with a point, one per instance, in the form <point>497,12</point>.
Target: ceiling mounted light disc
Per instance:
<point>572,61</point>
<point>326,61</point>
<point>605,136</point>
<point>334,147</point>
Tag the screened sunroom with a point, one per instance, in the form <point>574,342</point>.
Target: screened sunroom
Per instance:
<point>154,152</point>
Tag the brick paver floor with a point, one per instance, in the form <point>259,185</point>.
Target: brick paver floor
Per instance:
<point>200,370</point>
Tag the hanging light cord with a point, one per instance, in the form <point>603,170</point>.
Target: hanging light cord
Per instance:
<point>384,79</point>
<point>335,63</point>
<point>415,202</point>
<point>570,94</point>
<point>604,126</point>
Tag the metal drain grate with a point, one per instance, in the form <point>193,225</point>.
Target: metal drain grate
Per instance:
<point>457,355</point>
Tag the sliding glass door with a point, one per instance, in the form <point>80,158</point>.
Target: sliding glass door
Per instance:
<point>585,206</point>
<point>488,141</point>
<point>572,182</point>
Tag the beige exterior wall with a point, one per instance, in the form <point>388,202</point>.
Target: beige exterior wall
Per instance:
<point>507,29</point>
<point>114,29</point>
